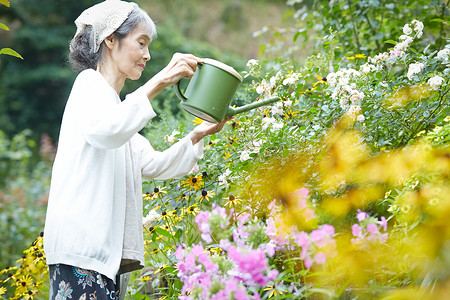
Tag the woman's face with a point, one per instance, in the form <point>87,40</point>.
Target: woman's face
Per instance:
<point>131,54</point>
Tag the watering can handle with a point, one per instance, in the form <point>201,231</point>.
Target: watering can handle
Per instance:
<point>178,92</point>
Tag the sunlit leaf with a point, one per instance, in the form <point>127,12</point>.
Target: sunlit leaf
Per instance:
<point>9,51</point>
<point>3,26</point>
<point>5,2</point>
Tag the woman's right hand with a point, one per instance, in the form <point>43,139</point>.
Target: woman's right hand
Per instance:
<point>180,66</point>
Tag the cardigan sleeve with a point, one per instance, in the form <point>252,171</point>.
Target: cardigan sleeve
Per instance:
<point>174,162</point>
<point>105,121</point>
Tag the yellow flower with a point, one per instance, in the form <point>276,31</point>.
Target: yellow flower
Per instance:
<point>2,290</point>
<point>159,191</point>
<point>7,270</point>
<point>214,251</point>
<point>160,269</point>
<point>290,114</point>
<point>193,182</point>
<point>144,278</point>
<point>197,121</point>
<point>23,284</point>
<point>356,56</point>
<point>193,209</point>
<point>273,291</point>
<point>148,196</point>
<point>211,143</point>
<point>226,155</point>
<point>232,201</point>
<point>205,195</point>
<point>232,140</point>
<point>235,124</point>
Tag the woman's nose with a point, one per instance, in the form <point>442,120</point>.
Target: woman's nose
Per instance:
<point>147,56</point>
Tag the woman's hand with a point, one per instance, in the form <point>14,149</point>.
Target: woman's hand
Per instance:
<point>206,128</point>
<point>180,66</point>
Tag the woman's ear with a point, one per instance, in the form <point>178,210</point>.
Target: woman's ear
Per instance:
<point>110,41</point>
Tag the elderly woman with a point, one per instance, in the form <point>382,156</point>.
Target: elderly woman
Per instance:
<point>93,229</point>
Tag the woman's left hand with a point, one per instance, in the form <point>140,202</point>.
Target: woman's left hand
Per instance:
<point>206,128</point>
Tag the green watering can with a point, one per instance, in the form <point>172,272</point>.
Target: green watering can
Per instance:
<point>211,90</point>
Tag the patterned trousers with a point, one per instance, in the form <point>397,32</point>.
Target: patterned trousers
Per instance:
<point>69,282</point>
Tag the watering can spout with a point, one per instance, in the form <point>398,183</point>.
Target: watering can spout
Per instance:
<point>233,111</point>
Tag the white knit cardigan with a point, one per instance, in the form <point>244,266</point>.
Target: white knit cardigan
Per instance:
<point>94,214</point>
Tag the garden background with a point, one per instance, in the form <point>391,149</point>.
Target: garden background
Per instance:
<point>339,191</point>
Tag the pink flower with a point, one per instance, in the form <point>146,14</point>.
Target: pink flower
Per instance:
<point>308,262</point>
<point>356,230</point>
<point>320,257</point>
<point>301,239</point>
<point>202,217</point>
<point>317,235</point>
<point>383,223</point>
<point>361,215</point>
<point>372,228</point>
<point>327,229</point>
<point>302,193</point>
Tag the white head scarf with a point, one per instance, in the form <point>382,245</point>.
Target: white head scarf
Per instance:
<point>104,18</point>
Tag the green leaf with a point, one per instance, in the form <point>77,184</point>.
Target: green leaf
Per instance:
<point>9,51</point>
<point>437,20</point>
<point>3,26</point>
<point>390,42</point>
<point>163,232</point>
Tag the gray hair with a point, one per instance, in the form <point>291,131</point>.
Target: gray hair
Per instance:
<point>82,55</point>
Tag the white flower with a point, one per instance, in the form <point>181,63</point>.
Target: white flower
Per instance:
<point>418,27</point>
<point>435,82</point>
<point>356,96</point>
<point>367,68</point>
<point>150,218</point>
<point>245,155</point>
<point>266,121</point>
<point>260,89</point>
<point>293,2</point>
<point>277,109</point>
<point>287,103</point>
<point>277,125</point>
<point>171,138</point>
<point>380,58</point>
<point>407,30</point>
<point>414,69</point>
<point>194,169</point>
<point>223,179</point>
<point>360,118</point>
<point>353,111</point>
<point>291,78</point>
<point>252,63</point>
<point>443,54</point>
<point>332,79</point>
